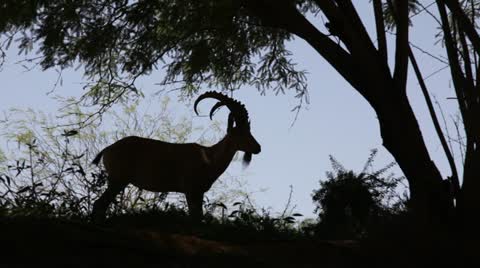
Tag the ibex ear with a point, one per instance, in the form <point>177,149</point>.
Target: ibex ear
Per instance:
<point>230,122</point>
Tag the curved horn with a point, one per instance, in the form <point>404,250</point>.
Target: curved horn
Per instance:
<point>237,108</point>
<point>215,107</point>
<point>209,94</point>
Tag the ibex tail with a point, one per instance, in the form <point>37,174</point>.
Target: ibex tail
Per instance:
<point>97,158</point>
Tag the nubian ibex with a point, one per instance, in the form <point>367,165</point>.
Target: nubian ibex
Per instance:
<point>187,168</point>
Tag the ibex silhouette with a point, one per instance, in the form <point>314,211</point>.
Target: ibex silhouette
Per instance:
<point>187,168</point>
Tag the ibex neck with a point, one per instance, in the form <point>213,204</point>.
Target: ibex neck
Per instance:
<point>222,154</point>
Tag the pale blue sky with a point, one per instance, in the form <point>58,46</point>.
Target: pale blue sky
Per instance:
<point>338,120</point>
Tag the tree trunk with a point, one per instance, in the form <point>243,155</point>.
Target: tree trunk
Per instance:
<point>468,203</point>
<point>431,202</point>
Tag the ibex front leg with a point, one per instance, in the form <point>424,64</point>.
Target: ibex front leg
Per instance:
<point>195,204</point>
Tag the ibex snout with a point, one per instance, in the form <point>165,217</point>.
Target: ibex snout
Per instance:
<point>257,149</point>
<point>251,145</point>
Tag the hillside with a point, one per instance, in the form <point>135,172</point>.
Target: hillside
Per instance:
<point>70,244</point>
<point>74,244</point>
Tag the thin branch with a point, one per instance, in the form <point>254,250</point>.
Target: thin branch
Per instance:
<point>428,53</point>
<point>436,124</point>
<point>287,205</point>
<point>461,144</point>
<point>425,8</point>
<point>57,82</point>
<point>445,126</point>
<point>436,72</point>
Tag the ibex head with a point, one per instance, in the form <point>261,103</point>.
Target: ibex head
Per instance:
<point>238,123</point>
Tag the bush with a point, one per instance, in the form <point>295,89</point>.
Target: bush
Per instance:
<point>351,205</point>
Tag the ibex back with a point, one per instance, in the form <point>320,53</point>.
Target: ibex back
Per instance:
<point>187,168</point>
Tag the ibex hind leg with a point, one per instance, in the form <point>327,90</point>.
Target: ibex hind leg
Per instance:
<point>195,206</point>
<point>101,205</point>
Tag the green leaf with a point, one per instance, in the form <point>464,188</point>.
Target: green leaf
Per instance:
<point>70,133</point>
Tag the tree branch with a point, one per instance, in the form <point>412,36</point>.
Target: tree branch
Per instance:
<point>297,24</point>
<point>436,124</point>
<point>401,51</point>
<point>356,27</point>
<point>467,25</point>
<point>361,48</point>
<point>329,8</point>
<point>380,26</point>
<point>467,64</point>
<point>456,71</point>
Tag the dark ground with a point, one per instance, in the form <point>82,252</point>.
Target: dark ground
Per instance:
<point>55,243</point>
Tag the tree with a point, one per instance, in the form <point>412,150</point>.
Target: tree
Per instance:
<point>228,43</point>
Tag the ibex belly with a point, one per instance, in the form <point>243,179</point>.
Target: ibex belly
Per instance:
<point>169,177</point>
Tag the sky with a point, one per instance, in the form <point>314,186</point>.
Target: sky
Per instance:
<point>337,121</point>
